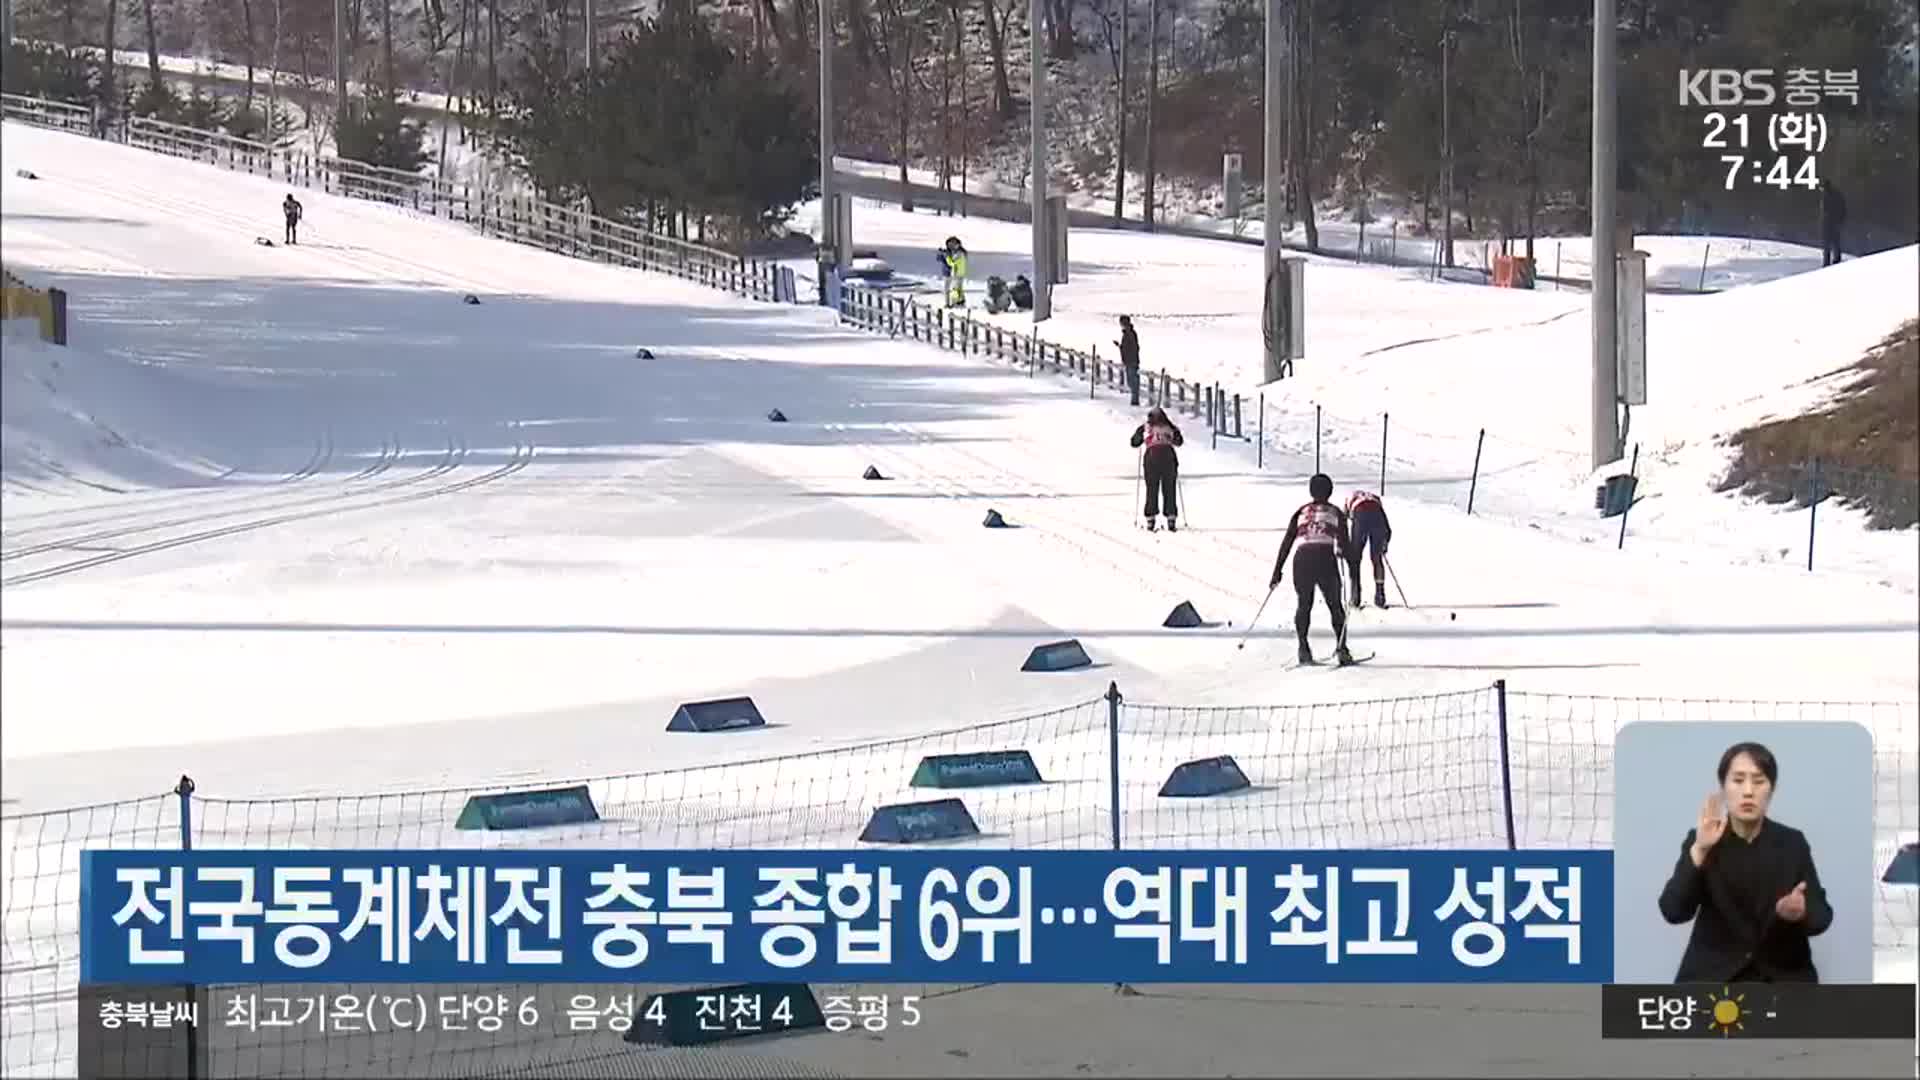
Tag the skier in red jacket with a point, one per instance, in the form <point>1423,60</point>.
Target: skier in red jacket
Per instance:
<point>1160,465</point>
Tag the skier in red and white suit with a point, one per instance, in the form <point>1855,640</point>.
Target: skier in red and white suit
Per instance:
<point>1371,531</point>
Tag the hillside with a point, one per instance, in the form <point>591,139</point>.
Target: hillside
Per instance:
<point>1866,436</point>
<point>944,86</point>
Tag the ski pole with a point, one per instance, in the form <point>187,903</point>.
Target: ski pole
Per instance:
<point>1388,563</point>
<point>1256,619</point>
<point>1346,620</point>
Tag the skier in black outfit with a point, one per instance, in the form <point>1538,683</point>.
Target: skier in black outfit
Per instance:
<point>1320,530</point>
<point>1160,465</point>
<point>291,209</point>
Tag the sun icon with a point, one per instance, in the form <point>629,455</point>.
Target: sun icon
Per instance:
<point>1726,1011</point>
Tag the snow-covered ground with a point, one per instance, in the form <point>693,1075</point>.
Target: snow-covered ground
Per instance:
<point>1437,362</point>
<point>295,520</point>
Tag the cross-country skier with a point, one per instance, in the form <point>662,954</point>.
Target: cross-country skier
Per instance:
<point>291,210</point>
<point>1371,533</point>
<point>1160,465</point>
<point>1320,530</point>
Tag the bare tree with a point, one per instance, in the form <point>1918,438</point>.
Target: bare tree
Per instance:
<point>955,57</point>
<point>1061,42</point>
<point>998,13</point>
<point>493,59</point>
<point>246,21</point>
<point>901,23</point>
<point>1115,30</point>
<point>110,103</point>
<point>1304,143</point>
<point>801,15</point>
<point>1153,95</point>
<point>153,52</point>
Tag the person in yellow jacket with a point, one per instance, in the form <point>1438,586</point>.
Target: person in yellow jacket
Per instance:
<point>955,257</point>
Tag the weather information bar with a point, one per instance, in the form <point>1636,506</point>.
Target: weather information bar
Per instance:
<point>1757,1011</point>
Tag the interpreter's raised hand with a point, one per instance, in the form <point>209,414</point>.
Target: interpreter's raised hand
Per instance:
<point>1712,826</point>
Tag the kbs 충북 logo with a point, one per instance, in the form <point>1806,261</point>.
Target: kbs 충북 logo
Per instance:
<point>1759,88</point>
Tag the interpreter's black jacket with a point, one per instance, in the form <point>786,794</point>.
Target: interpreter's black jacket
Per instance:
<point>1737,936</point>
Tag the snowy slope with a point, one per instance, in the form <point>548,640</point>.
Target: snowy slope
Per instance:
<point>355,343</point>
<point>414,542</point>
<point>1448,359</point>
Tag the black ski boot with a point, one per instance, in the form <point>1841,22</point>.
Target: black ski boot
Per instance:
<point>1342,657</point>
<point>1153,524</point>
<point>1379,595</point>
<point>1353,596</point>
<point>1306,653</point>
<point>1172,526</point>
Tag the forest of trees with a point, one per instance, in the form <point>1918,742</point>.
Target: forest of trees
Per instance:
<point>707,107</point>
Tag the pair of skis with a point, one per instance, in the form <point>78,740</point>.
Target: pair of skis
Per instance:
<point>1297,663</point>
<point>1355,662</point>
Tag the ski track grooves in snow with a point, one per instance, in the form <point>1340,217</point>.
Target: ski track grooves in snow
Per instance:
<point>1192,545</point>
<point>1133,559</point>
<point>223,486</point>
<point>455,455</point>
<point>521,457</point>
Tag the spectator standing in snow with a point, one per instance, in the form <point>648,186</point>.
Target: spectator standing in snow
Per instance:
<point>292,210</point>
<point>954,255</point>
<point>1833,216</point>
<point>1129,344</point>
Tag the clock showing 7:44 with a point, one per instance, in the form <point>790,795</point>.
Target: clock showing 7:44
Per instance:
<point>1782,172</point>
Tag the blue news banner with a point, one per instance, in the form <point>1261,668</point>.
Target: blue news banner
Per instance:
<point>704,917</point>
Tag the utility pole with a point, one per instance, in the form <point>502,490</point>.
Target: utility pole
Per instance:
<point>589,42</point>
<point>1042,236</point>
<point>830,225</point>
<point>1446,140</point>
<point>1120,146</point>
<point>1606,296</point>
<point>1273,169</point>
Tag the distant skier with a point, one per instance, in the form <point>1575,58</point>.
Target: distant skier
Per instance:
<point>1371,533</point>
<point>1320,530</point>
<point>1160,466</point>
<point>292,210</point>
<point>1129,345</point>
